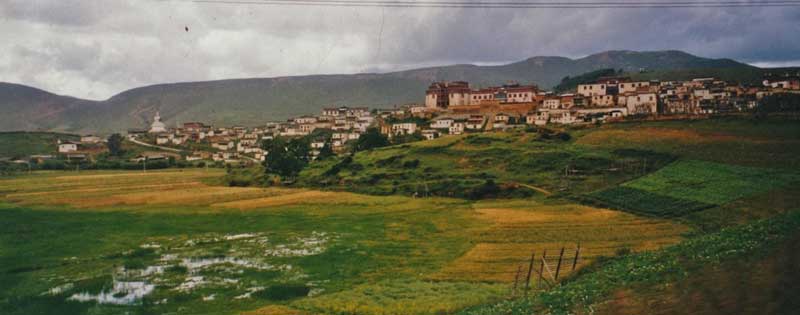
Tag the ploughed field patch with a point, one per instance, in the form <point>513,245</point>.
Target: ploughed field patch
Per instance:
<point>688,186</point>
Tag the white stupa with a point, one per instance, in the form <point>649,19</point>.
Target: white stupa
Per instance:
<point>157,126</point>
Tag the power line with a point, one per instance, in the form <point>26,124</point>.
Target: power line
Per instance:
<point>510,5</point>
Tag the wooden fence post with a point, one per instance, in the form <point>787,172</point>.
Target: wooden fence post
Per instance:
<point>558,267</point>
<point>577,253</point>
<point>541,269</point>
<point>516,279</point>
<point>530,269</point>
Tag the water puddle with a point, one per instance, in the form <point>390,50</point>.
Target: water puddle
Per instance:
<point>122,293</point>
<point>187,264</point>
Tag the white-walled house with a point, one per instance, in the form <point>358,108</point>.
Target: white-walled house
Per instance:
<point>442,123</point>
<point>430,134</point>
<point>91,139</point>
<point>456,128</point>
<point>640,103</point>
<point>592,89</point>
<point>404,128</point>
<point>564,117</point>
<point>553,102</point>
<point>475,122</point>
<point>67,146</point>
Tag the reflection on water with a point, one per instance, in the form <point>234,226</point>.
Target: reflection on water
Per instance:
<point>181,265</point>
<point>123,293</point>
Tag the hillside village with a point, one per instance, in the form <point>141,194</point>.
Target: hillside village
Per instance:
<point>449,108</point>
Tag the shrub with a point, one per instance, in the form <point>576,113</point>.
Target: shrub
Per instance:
<point>282,292</point>
<point>411,164</point>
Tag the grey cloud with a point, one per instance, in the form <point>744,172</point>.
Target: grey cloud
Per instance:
<point>98,48</point>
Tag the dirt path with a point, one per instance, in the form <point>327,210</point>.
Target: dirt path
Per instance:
<point>539,189</point>
<point>153,146</point>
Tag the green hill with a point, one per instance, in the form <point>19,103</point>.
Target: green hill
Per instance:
<point>257,100</point>
<point>22,144</point>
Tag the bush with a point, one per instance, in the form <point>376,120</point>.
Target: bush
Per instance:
<point>488,189</point>
<point>53,165</point>
<point>411,164</point>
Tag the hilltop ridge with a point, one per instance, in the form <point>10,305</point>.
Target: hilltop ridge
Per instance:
<point>253,101</point>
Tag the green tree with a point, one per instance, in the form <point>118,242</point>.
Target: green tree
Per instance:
<point>114,145</point>
<point>325,152</point>
<point>286,158</point>
<point>372,138</point>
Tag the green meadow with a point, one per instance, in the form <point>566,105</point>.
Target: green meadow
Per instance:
<point>432,227</point>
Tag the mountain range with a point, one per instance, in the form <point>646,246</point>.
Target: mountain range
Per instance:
<point>254,101</point>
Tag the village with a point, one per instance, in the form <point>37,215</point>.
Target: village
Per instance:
<point>452,108</point>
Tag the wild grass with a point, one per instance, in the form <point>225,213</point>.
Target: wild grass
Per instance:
<point>405,297</point>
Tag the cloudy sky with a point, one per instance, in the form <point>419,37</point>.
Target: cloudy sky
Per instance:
<point>95,49</point>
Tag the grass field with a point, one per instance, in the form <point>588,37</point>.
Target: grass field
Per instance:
<point>687,186</point>
<point>457,166</point>
<point>170,241</point>
<point>105,242</point>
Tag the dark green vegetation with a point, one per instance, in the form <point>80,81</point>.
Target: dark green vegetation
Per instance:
<point>688,186</point>
<point>254,101</point>
<point>23,144</point>
<point>483,166</point>
<point>114,145</point>
<point>643,202</point>
<point>779,103</point>
<point>286,157</point>
<point>744,75</point>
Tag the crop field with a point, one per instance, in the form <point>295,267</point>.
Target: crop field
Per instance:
<point>106,242</point>
<point>687,186</point>
<point>713,183</point>
<point>767,144</point>
<point>518,229</point>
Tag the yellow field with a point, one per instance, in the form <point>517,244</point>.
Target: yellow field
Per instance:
<point>650,135</point>
<point>516,232</point>
<point>102,189</point>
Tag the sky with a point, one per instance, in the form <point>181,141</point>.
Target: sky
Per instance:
<point>95,49</point>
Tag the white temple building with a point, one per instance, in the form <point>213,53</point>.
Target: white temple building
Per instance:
<point>157,126</point>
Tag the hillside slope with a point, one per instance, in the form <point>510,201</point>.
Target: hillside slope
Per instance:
<point>257,100</point>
